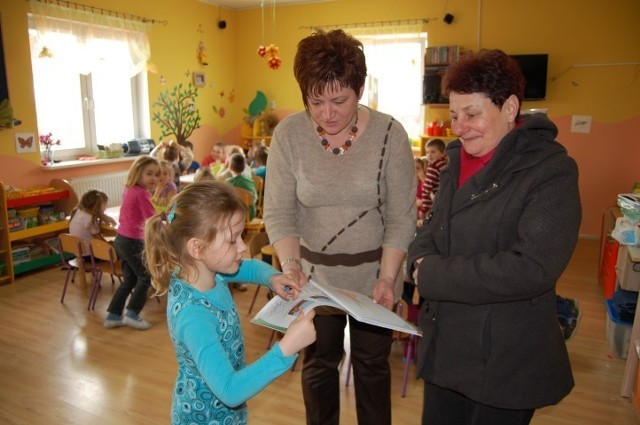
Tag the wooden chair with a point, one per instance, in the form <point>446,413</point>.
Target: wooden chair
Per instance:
<point>259,182</point>
<point>255,241</point>
<point>251,225</point>
<point>103,260</point>
<point>70,244</point>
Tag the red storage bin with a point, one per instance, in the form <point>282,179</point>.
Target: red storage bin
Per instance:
<point>608,267</point>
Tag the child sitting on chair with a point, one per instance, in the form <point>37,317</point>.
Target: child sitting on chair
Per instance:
<point>87,217</point>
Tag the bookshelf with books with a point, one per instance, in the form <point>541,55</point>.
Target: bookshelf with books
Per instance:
<point>436,61</point>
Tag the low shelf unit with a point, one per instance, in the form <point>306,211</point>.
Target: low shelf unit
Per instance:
<point>63,199</point>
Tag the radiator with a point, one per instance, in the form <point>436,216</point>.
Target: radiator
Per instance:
<point>112,184</point>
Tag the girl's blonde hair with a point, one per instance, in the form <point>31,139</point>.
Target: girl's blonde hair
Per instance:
<point>137,168</point>
<point>92,202</point>
<point>199,211</point>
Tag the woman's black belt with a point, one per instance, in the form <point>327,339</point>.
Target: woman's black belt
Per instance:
<point>349,260</point>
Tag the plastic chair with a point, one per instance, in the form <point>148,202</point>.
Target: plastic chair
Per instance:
<point>103,260</point>
<point>70,244</point>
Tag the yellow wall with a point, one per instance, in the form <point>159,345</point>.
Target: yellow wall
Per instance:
<point>571,32</point>
<point>173,51</point>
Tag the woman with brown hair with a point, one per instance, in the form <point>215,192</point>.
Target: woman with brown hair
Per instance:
<point>487,258</point>
<point>340,208</point>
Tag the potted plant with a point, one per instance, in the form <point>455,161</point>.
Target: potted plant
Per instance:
<point>47,141</point>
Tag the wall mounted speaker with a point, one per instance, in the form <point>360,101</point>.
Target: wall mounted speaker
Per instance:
<point>222,24</point>
<point>448,18</point>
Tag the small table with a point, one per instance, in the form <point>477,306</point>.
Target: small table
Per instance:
<point>107,230</point>
<point>187,178</point>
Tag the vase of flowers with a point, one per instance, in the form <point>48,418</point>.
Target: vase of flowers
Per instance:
<point>47,142</point>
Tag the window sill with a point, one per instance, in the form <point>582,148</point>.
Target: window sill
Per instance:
<point>86,163</point>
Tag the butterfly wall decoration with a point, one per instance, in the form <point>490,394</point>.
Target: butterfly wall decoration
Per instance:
<point>25,142</point>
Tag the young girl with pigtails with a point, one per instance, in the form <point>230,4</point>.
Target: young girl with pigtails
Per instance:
<point>193,252</point>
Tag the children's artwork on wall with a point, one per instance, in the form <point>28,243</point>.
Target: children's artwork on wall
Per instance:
<point>25,142</point>
<point>199,79</point>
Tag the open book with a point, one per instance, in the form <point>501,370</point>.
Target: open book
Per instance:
<point>279,313</point>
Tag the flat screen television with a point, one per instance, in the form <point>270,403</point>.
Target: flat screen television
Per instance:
<point>534,70</point>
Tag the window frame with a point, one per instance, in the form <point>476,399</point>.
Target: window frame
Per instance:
<point>141,120</point>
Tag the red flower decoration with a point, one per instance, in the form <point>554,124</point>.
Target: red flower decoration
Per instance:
<point>262,51</point>
<point>275,62</point>
<point>221,112</point>
<point>273,50</point>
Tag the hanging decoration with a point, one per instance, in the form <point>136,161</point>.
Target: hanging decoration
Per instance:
<point>270,53</point>
<point>202,54</point>
<point>202,49</point>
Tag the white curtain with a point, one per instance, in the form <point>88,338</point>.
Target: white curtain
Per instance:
<point>94,37</point>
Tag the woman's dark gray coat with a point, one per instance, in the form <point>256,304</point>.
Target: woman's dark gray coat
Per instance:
<point>493,252</point>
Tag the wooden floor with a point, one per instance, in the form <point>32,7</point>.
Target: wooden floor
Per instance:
<point>58,365</point>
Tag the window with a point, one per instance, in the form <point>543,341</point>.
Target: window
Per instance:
<point>87,92</point>
<point>394,81</point>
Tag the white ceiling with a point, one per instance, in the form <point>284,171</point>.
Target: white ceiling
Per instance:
<point>253,4</point>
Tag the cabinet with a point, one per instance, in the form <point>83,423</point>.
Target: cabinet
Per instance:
<point>63,199</point>
<point>628,269</point>
<point>250,134</point>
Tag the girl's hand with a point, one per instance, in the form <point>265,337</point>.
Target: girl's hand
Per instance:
<point>301,333</point>
<point>383,293</point>
<point>287,286</point>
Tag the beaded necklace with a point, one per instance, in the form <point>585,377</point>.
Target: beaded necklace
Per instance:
<point>347,144</point>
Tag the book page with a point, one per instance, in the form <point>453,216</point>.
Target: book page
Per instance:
<point>365,310</point>
<point>279,313</point>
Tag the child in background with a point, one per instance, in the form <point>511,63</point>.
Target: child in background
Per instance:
<point>260,161</point>
<point>420,166</point>
<point>193,253</point>
<point>436,161</point>
<point>237,165</point>
<point>215,158</point>
<point>251,153</point>
<point>178,156</point>
<point>187,164</point>
<point>225,172</point>
<point>166,189</point>
<point>87,217</point>
<point>129,243</point>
